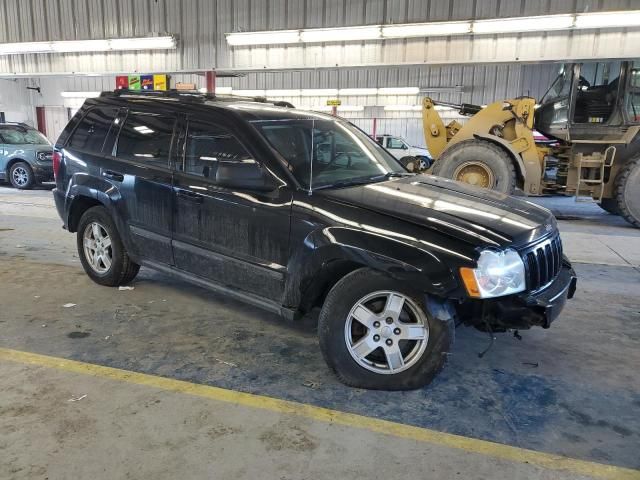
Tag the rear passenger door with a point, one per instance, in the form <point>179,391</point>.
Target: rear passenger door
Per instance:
<point>234,236</point>
<point>140,167</point>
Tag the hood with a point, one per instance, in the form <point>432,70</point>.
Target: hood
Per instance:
<point>478,216</point>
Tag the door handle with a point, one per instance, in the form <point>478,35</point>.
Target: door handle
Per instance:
<point>190,196</point>
<point>113,175</point>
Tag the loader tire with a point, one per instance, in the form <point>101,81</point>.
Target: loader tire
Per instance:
<point>479,163</point>
<point>626,191</point>
<point>610,205</point>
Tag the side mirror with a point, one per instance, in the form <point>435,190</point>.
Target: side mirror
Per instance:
<point>247,176</point>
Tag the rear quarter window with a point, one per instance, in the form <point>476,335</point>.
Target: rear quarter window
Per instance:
<point>91,132</point>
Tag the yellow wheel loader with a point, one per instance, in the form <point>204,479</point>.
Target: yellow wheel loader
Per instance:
<point>590,119</point>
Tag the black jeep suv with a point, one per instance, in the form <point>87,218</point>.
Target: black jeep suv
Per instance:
<point>289,210</point>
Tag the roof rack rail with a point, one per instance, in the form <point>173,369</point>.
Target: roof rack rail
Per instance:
<point>191,95</point>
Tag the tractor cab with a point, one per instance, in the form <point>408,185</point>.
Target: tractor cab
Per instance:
<point>591,101</point>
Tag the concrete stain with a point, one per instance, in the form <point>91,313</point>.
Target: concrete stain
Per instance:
<point>78,334</point>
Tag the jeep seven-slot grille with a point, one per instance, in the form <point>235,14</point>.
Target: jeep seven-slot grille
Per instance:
<point>543,262</point>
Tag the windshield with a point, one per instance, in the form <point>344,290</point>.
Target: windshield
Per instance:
<point>325,153</point>
<point>561,86</point>
<point>17,135</point>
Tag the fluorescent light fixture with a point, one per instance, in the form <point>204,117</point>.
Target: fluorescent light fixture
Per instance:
<point>341,34</point>
<point>319,92</point>
<point>283,93</point>
<point>402,108</point>
<point>426,29</point>
<point>264,38</point>
<point>79,46</point>
<point>541,23</point>
<point>523,24</point>
<point>250,93</point>
<point>629,18</point>
<point>80,94</point>
<point>399,91</point>
<point>358,91</point>
<point>143,43</point>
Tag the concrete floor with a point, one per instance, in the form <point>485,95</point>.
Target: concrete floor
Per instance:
<point>572,390</point>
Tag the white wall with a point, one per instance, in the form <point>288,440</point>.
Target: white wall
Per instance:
<point>15,101</point>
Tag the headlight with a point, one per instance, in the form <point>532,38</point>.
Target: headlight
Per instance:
<point>499,273</point>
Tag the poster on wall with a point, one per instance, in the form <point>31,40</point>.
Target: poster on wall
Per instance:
<point>160,82</point>
<point>146,82</point>
<point>122,81</point>
<point>142,82</point>
<point>134,82</point>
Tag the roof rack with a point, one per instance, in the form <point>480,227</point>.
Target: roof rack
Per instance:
<point>194,95</point>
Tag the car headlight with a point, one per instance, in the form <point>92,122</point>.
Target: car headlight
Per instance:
<point>498,273</point>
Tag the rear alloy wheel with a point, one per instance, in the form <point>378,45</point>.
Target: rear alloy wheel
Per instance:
<point>102,253</point>
<point>97,247</point>
<point>479,163</point>
<point>21,176</point>
<point>627,192</point>
<point>377,333</point>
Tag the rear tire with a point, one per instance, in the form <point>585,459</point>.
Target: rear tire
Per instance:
<point>21,176</point>
<point>610,205</point>
<point>101,251</point>
<point>627,192</point>
<point>367,356</point>
<point>479,163</point>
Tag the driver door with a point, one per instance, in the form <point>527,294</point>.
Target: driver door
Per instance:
<point>238,237</point>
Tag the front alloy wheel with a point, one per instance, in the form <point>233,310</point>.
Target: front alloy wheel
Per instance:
<point>386,332</point>
<point>376,332</point>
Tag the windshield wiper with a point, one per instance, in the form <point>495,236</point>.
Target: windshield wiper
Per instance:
<point>349,182</point>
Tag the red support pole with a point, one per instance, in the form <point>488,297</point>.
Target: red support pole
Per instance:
<point>334,110</point>
<point>375,125</point>
<point>40,119</point>
<point>210,77</point>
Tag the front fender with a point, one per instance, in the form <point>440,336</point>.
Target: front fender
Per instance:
<point>332,252</point>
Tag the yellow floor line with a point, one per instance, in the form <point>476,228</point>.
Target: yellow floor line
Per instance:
<point>472,445</point>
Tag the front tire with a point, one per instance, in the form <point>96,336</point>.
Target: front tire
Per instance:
<point>479,163</point>
<point>378,334</point>
<point>21,176</point>
<point>101,251</point>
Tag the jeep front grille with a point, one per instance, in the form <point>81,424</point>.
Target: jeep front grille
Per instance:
<point>542,262</point>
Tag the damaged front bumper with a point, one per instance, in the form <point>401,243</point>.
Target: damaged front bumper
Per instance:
<point>526,310</point>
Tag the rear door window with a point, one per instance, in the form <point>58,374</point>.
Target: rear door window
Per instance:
<point>92,130</point>
<point>208,146</point>
<point>146,138</point>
